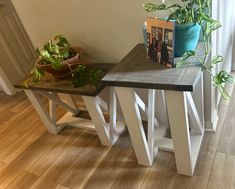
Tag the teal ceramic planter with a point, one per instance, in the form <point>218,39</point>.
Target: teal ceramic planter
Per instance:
<point>186,38</point>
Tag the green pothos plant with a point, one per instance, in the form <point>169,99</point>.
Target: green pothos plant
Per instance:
<point>198,11</point>
<point>53,53</point>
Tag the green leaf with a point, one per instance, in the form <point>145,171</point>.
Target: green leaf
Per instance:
<point>185,56</point>
<point>223,77</point>
<point>55,63</point>
<point>65,53</point>
<point>45,54</point>
<point>63,42</point>
<point>215,25</point>
<point>161,7</point>
<point>188,54</point>
<point>205,17</point>
<point>38,53</point>
<point>172,16</point>
<point>79,77</point>
<point>217,59</point>
<point>150,7</point>
<point>37,75</point>
<point>95,76</point>
<point>180,62</point>
<point>223,92</point>
<point>176,5</point>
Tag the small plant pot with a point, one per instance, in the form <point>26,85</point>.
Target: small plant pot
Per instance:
<point>66,68</point>
<point>186,38</point>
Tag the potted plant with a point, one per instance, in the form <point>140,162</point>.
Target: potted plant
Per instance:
<point>189,16</point>
<point>56,57</point>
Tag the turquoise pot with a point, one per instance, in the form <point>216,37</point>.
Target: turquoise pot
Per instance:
<point>186,38</point>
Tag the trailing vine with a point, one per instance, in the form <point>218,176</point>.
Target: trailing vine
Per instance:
<point>198,11</point>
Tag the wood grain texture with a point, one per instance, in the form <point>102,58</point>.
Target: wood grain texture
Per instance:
<point>57,145</point>
<point>61,187</point>
<point>112,165</point>
<point>72,160</point>
<point>136,71</point>
<point>2,165</point>
<point>75,158</point>
<point>223,172</point>
<point>49,83</point>
<point>23,181</point>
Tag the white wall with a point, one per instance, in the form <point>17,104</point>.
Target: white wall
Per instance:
<point>106,29</point>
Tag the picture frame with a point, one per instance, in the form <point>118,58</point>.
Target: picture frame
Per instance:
<point>161,40</point>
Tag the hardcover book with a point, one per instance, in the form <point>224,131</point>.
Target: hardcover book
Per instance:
<point>160,41</point>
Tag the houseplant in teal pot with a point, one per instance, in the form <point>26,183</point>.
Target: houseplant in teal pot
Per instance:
<point>191,17</point>
<point>186,16</point>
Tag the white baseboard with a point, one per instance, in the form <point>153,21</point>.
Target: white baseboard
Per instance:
<point>212,125</point>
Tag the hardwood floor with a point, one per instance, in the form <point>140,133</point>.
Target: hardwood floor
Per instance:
<point>32,158</point>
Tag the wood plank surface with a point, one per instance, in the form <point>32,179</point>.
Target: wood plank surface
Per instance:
<point>2,165</point>
<point>23,181</point>
<point>223,172</point>
<point>66,162</point>
<point>49,83</point>
<point>136,71</point>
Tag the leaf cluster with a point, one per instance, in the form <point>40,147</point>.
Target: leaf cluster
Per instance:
<point>83,75</point>
<point>53,53</point>
<point>189,11</point>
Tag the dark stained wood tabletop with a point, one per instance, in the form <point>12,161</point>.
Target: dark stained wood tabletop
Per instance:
<point>136,71</point>
<point>49,83</point>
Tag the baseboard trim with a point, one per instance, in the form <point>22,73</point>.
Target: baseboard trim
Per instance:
<point>212,125</point>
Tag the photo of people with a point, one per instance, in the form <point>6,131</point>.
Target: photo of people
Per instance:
<point>160,41</point>
<point>168,37</point>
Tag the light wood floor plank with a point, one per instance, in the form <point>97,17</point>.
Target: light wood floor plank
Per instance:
<point>135,173</point>
<point>223,172</point>
<point>2,165</point>
<point>20,145</point>
<point>112,165</point>
<point>61,187</point>
<point>23,181</point>
<point>12,136</point>
<point>63,165</point>
<point>227,141</point>
<point>84,164</point>
<point>54,147</point>
<point>31,154</point>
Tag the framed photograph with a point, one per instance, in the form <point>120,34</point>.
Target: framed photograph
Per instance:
<point>161,41</point>
<point>168,37</point>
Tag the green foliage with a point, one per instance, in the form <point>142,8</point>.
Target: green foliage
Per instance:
<point>79,77</point>
<point>217,59</point>
<point>83,75</point>
<point>197,11</point>
<point>37,75</point>
<point>54,52</point>
<point>95,76</point>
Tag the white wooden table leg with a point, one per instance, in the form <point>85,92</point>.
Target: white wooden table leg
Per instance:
<point>161,110</point>
<point>201,103</point>
<point>93,107</point>
<point>113,113</point>
<point>43,114</point>
<point>178,118</point>
<point>133,120</point>
<point>151,116</point>
<point>52,110</point>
